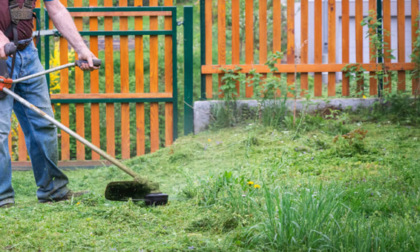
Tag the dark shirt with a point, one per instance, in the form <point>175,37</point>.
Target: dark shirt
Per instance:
<point>25,27</point>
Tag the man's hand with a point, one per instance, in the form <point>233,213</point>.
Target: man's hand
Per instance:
<point>87,55</point>
<point>3,41</point>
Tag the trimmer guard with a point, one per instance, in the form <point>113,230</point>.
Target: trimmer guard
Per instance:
<point>125,190</point>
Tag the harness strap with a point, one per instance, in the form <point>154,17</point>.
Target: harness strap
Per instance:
<point>17,14</point>
<point>15,41</point>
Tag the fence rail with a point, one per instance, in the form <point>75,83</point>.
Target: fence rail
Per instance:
<point>231,38</point>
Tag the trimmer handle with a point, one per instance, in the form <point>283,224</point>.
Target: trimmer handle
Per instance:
<point>10,48</point>
<point>96,62</point>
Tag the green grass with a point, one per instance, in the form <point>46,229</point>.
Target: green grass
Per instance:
<point>315,194</point>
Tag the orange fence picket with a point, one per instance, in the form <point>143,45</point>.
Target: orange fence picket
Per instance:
<point>387,39</point>
<point>331,45</point>
<point>290,42</point>
<point>277,31</point>
<point>236,37</point>
<point>345,44</point>
<point>80,108</point>
<point>249,41</point>
<point>94,85</point>
<point>414,27</point>
<point>358,17</point>
<point>304,46</point>
<point>139,67</point>
<point>64,89</point>
<point>169,122</point>
<point>401,86</point>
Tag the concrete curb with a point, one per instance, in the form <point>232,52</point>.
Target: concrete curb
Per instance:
<point>202,109</point>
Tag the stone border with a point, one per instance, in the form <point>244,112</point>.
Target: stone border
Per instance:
<point>202,109</point>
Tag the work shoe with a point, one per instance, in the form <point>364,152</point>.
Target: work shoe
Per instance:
<point>68,196</point>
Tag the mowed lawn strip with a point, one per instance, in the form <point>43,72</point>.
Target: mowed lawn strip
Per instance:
<point>367,190</point>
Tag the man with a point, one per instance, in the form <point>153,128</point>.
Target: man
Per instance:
<point>40,135</point>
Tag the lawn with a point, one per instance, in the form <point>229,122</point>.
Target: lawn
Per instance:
<point>243,188</point>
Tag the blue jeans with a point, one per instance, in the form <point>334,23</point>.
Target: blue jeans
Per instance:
<point>40,134</point>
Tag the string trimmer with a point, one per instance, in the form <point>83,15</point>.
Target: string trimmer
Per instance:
<point>140,189</point>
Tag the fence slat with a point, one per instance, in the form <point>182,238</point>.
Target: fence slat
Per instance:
<point>359,40</point>
<point>168,80</point>
<point>80,108</point>
<point>124,71</point>
<point>94,85</point>
<point>414,27</point>
<point>209,45</point>
<point>9,139</point>
<point>401,43</point>
<point>22,151</point>
<point>154,82</point>
<point>386,6</point>
<point>235,37</point>
<point>373,85</point>
<point>277,31</point>
<point>64,84</point>
<point>318,47</point>
<point>249,41</point>
<point>138,51</point>
<point>291,44</point>
<point>345,44</point>
<point>109,82</point>
<point>304,46</point>
<point>262,12</point>
<point>221,38</point>
<point>263,30</point>
<point>331,45</point>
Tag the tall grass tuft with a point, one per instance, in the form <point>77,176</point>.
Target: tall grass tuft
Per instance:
<point>308,217</point>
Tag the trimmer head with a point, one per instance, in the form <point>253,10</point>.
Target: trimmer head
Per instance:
<point>125,190</point>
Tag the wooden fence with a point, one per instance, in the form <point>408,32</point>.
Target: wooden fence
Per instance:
<point>102,105</point>
<point>244,39</point>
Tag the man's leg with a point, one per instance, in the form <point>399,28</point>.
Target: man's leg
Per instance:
<point>40,134</point>
<point>6,190</point>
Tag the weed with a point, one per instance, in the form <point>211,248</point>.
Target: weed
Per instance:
<point>415,58</point>
<point>379,51</point>
<point>351,143</point>
<point>379,48</point>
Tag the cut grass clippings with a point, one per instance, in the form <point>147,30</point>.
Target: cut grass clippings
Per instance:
<point>248,188</point>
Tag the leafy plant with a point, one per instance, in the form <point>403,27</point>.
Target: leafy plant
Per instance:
<point>415,57</point>
<point>379,46</point>
<point>351,143</point>
<point>356,74</point>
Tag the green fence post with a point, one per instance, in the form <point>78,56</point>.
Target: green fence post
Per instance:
<point>47,48</point>
<point>174,72</point>
<point>38,26</point>
<point>203,46</point>
<point>188,71</point>
<point>379,31</point>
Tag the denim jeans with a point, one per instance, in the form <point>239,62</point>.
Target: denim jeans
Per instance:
<point>40,134</point>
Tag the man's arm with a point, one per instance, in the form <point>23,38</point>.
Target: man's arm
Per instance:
<point>3,41</point>
<point>65,25</point>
